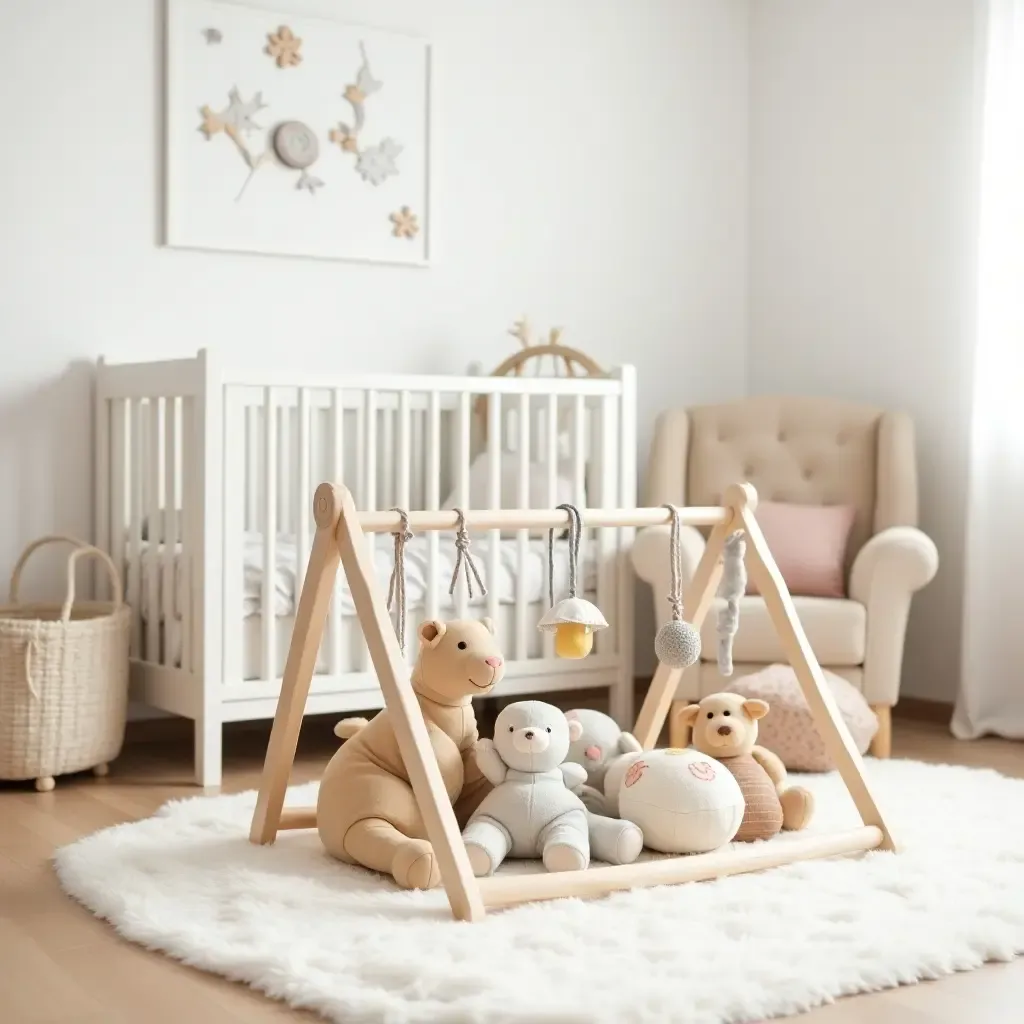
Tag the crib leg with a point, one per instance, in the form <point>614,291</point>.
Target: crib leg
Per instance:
<point>208,752</point>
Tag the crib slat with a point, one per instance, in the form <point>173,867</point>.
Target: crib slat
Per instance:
<point>370,453</point>
<point>465,427</point>
<point>387,456</point>
<point>252,470</point>
<point>493,501</point>
<point>303,494</point>
<point>337,431</point>
<point>188,535</point>
<point>103,412</point>
<point>433,461</point>
<point>579,480</point>
<point>404,467</point>
<point>359,492</point>
<point>552,501</point>
<point>120,511</point>
<point>523,536</point>
<point>171,546</point>
<point>267,604</point>
<point>370,501</point>
<point>236,496</point>
<point>154,527</point>
<point>284,475</point>
<point>135,523</point>
<point>606,640</point>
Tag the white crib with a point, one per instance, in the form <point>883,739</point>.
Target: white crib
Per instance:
<point>205,477</point>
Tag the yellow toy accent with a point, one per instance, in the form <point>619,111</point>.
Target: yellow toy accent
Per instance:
<point>573,640</point>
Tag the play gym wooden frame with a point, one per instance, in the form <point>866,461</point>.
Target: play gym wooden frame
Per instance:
<point>341,536</point>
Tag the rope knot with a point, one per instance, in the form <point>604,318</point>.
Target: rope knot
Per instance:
<point>464,560</point>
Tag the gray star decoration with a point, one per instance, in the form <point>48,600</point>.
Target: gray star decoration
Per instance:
<point>377,163</point>
<point>239,114</point>
<point>212,35</point>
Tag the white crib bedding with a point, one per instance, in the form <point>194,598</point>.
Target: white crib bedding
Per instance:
<point>533,576</point>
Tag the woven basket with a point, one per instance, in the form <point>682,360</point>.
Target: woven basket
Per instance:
<point>63,677</point>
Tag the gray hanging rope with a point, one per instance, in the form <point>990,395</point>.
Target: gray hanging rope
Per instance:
<point>677,643</point>
<point>734,583</point>
<point>396,589</point>
<point>675,597</point>
<point>464,560</point>
<point>575,529</point>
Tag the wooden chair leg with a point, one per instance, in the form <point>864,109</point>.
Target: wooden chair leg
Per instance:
<point>881,745</point>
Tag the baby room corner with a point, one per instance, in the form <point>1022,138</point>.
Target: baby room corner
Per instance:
<point>510,512</point>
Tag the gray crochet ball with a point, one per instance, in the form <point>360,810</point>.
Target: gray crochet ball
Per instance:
<point>677,644</point>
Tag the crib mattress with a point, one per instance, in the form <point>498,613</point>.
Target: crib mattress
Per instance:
<point>532,575</point>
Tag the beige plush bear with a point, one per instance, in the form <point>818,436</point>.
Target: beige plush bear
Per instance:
<point>366,810</point>
<point>724,727</point>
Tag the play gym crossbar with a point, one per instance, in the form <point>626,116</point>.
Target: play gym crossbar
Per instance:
<point>340,536</point>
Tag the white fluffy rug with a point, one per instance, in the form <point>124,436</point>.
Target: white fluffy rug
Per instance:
<point>302,928</point>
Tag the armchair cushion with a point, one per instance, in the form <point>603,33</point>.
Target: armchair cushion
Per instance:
<point>808,543</point>
<point>836,629</point>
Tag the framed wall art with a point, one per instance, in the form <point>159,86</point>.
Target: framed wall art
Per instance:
<point>295,135</point>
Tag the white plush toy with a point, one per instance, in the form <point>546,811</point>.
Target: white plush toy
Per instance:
<point>598,745</point>
<point>683,800</point>
<point>532,811</point>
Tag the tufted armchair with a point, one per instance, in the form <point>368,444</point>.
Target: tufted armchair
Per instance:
<point>812,452</point>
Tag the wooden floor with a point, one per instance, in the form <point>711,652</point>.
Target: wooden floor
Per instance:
<point>59,965</point>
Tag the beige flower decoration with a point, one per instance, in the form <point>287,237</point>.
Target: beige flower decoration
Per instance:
<point>344,138</point>
<point>284,46</point>
<point>211,122</point>
<point>405,223</point>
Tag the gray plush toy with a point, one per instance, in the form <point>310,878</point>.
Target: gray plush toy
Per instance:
<point>600,742</point>
<point>532,810</point>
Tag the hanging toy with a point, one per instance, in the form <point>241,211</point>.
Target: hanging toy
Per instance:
<point>677,644</point>
<point>574,619</point>
<point>396,589</point>
<point>734,584</point>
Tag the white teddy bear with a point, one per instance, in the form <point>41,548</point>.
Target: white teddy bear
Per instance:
<point>533,811</point>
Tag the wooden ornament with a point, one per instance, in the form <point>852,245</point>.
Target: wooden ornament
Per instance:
<point>405,223</point>
<point>283,45</point>
<point>296,145</point>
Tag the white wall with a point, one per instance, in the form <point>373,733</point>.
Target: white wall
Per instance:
<point>591,171</point>
<point>861,238</point>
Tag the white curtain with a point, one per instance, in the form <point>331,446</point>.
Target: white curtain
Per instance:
<point>991,698</point>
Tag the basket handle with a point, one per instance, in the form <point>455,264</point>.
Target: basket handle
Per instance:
<point>81,548</point>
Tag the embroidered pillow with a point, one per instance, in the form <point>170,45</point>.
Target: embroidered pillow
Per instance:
<point>808,543</point>
<point>788,729</point>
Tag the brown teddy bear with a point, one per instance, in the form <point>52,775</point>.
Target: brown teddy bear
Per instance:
<point>366,810</point>
<point>724,727</point>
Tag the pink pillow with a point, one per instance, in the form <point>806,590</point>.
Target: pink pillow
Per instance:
<point>808,543</point>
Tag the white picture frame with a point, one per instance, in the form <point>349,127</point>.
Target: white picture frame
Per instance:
<point>346,178</point>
